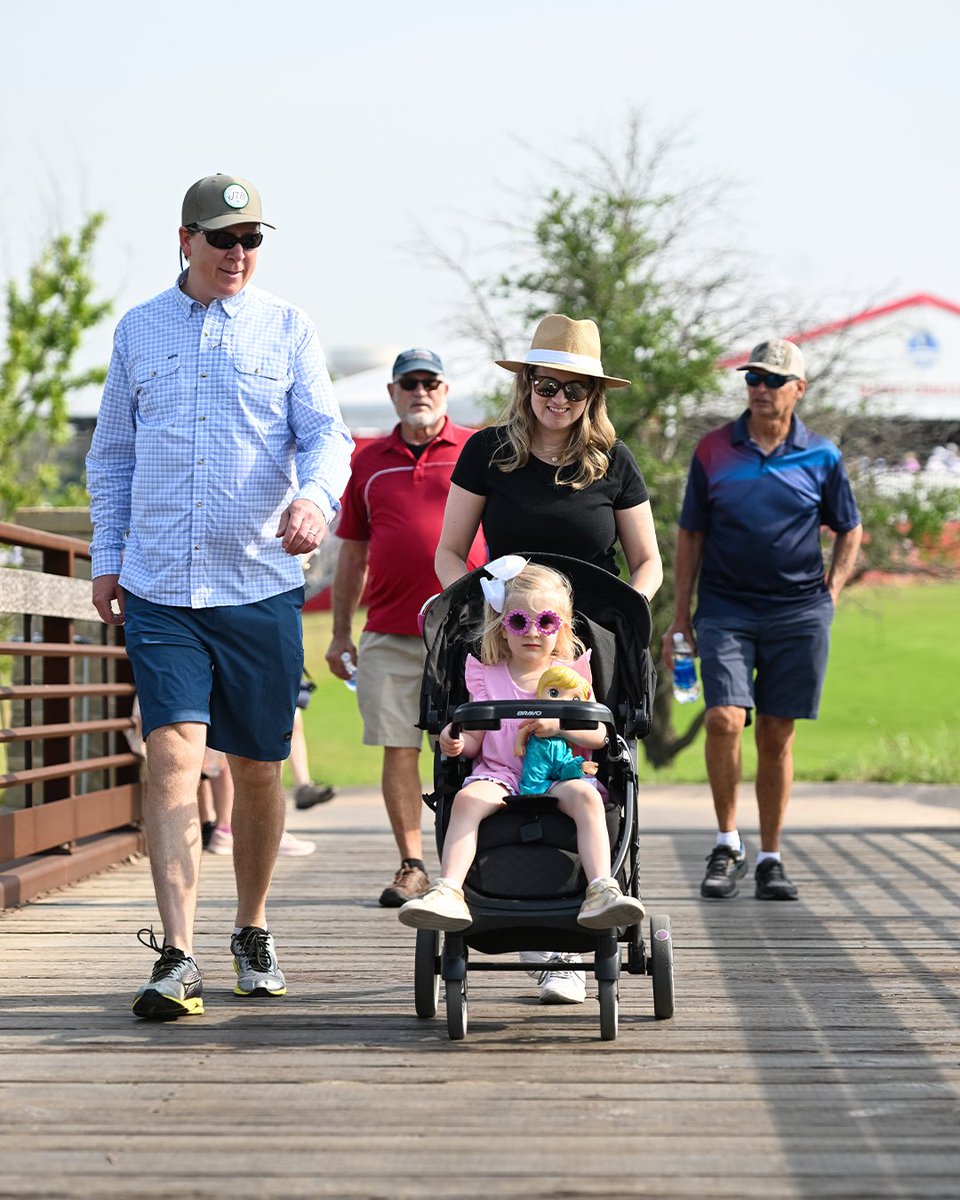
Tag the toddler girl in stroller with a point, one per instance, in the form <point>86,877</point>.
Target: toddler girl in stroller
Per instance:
<point>527,628</point>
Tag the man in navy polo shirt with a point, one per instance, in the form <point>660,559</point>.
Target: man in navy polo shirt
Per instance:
<point>389,528</point>
<point>758,492</point>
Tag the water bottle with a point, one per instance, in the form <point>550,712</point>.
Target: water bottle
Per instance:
<point>686,690</point>
<point>351,670</point>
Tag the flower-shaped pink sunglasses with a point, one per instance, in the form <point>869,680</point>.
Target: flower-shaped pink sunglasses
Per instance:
<point>519,623</point>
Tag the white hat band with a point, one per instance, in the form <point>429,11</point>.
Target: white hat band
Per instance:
<point>562,358</point>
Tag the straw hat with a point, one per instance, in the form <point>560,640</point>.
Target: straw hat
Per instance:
<point>567,345</point>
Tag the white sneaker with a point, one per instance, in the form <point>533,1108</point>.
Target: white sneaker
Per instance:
<point>606,907</point>
<point>557,987</point>
<point>442,907</point>
<point>294,847</point>
<point>221,841</point>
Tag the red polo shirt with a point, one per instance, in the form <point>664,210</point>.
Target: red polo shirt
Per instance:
<point>395,501</point>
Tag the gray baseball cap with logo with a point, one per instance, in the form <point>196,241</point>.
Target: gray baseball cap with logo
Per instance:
<point>217,201</point>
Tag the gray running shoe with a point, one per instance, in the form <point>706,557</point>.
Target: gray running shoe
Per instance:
<point>175,986</point>
<point>724,868</point>
<point>255,962</point>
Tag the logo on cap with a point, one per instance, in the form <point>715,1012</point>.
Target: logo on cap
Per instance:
<point>236,196</point>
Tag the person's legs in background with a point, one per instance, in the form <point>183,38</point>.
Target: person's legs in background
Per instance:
<point>306,793</point>
<point>389,674</point>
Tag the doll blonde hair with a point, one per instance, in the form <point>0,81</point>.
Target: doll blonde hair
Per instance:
<point>563,677</point>
<point>550,589</point>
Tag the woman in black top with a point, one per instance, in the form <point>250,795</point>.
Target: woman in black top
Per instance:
<point>553,477</point>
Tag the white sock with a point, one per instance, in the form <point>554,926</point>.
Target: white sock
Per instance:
<point>731,839</point>
<point>763,855</point>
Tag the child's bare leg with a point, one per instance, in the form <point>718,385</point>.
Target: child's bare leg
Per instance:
<point>584,805</point>
<point>471,805</point>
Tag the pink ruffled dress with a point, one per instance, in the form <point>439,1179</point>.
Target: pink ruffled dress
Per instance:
<point>496,760</point>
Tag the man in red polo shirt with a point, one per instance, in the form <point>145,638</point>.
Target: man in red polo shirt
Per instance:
<point>389,526</point>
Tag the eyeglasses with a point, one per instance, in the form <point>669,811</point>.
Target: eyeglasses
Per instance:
<point>773,382</point>
<point>520,623</point>
<point>411,385</point>
<point>221,239</point>
<point>575,392</point>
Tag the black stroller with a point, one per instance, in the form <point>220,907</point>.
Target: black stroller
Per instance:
<point>526,885</point>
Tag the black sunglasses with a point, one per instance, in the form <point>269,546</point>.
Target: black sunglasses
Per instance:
<point>411,385</point>
<point>546,387</point>
<point>221,239</point>
<point>773,382</point>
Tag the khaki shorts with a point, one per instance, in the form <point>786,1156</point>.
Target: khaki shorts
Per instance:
<point>389,672</point>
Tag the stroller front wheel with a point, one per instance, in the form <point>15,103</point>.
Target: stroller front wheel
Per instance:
<point>426,972</point>
<point>609,1009</point>
<point>457,1009</point>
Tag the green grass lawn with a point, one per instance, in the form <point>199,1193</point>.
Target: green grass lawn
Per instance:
<point>890,710</point>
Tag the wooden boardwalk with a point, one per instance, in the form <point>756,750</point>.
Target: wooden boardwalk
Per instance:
<point>815,1051</point>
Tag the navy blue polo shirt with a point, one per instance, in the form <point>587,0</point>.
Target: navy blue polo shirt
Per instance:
<point>761,516</point>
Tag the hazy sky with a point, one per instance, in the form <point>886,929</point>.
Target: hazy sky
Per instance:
<point>363,122</point>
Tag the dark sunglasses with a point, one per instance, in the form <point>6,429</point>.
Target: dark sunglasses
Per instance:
<point>221,239</point>
<point>411,385</point>
<point>520,623</point>
<point>575,392</point>
<point>773,382</point>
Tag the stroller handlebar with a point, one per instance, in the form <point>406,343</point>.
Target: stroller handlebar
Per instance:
<point>572,714</point>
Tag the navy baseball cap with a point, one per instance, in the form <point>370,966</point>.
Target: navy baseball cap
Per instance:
<point>417,360</point>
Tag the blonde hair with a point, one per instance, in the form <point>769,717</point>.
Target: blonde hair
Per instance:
<point>563,677</point>
<point>588,446</point>
<point>533,581</point>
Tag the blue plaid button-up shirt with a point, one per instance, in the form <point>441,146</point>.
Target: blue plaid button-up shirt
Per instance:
<point>213,420</point>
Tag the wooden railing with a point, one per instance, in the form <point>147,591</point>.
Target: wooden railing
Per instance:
<point>69,781</point>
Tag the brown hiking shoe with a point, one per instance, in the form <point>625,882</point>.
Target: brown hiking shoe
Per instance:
<point>408,883</point>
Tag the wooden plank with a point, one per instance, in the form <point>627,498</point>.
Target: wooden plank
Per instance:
<point>815,1051</point>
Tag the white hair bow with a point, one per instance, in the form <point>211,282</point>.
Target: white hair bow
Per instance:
<point>502,569</point>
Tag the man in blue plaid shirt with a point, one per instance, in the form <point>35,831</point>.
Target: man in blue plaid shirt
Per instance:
<point>218,459</point>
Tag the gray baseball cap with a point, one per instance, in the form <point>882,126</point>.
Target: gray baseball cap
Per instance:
<point>417,360</point>
<point>217,201</point>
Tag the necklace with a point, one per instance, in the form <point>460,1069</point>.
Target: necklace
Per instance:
<point>545,453</point>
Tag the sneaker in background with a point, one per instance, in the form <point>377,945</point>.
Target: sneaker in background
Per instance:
<point>294,847</point>
<point>220,841</point>
<point>255,962</point>
<point>557,986</point>
<point>772,881</point>
<point>408,883</point>
<point>724,868</point>
<point>175,986</point>
<point>309,794</point>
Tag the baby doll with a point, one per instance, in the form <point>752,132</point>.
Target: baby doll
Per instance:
<point>547,759</point>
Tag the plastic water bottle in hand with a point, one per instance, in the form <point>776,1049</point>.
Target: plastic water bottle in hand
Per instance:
<point>686,689</point>
<point>351,670</point>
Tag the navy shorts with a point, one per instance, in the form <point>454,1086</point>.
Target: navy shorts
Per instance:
<point>774,661</point>
<point>236,669</point>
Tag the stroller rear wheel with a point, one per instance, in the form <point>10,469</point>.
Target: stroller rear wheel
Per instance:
<point>661,966</point>
<point>457,1009</point>
<point>426,972</point>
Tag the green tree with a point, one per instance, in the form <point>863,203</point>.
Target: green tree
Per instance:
<point>618,245</point>
<point>45,324</point>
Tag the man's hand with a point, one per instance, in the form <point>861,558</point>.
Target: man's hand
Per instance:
<point>302,527</point>
<point>666,645</point>
<point>106,590</point>
<point>335,652</point>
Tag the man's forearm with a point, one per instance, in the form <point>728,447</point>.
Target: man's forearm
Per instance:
<point>686,568</point>
<point>348,584</point>
<point>843,559</point>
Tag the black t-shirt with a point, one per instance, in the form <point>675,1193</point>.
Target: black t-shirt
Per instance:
<point>526,510</point>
